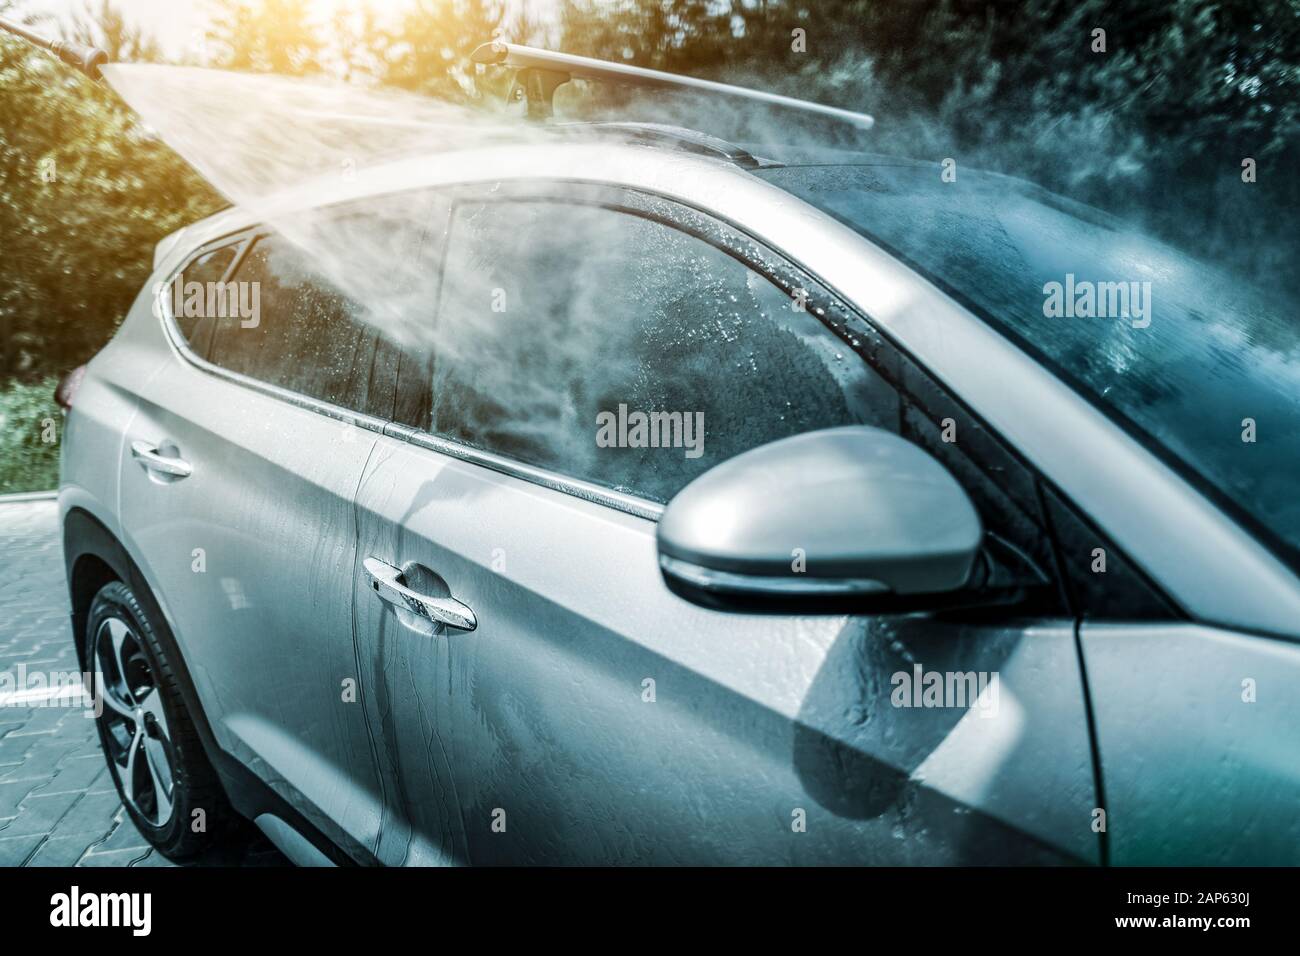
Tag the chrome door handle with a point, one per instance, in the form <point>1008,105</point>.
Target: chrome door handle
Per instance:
<point>149,459</point>
<point>386,581</point>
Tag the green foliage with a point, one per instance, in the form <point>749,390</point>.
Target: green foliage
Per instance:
<point>428,51</point>
<point>27,416</point>
<point>270,36</point>
<point>85,194</point>
<point>105,27</point>
<point>424,47</point>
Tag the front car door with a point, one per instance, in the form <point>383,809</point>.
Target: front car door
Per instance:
<point>594,717</point>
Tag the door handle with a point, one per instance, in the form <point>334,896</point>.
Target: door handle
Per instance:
<point>386,581</point>
<point>150,460</point>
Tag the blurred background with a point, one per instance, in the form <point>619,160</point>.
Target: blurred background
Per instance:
<point>1154,129</point>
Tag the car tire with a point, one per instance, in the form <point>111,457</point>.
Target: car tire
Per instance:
<point>153,750</point>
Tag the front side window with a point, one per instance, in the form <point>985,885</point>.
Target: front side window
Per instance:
<point>618,350</point>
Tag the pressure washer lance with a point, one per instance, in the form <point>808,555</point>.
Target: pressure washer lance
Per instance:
<point>87,59</point>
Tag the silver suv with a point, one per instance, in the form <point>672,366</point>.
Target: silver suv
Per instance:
<point>624,497</point>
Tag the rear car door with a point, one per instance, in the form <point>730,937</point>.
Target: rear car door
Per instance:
<point>591,716</point>
<point>271,408</point>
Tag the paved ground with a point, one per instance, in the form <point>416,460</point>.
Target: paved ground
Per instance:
<point>57,802</point>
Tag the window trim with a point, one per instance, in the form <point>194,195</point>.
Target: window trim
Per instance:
<point>588,491</point>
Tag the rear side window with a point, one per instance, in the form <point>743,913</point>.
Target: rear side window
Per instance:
<point>294,329</point>
<point>194,293</point>
<point>315,306</point>
<point>615,349</point>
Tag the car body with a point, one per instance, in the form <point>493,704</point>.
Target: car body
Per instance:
<point>1144,713</point>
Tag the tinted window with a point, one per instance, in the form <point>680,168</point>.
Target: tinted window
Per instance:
<point>194,294</point>
<point>1207,371</point>
<point>578,338</point>
<point>294,328</point>
<point>317,306</point>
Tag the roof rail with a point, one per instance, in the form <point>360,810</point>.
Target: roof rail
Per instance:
<point>689,140</point>
<point>541,71</point>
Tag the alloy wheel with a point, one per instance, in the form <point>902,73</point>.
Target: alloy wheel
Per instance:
<point>138,739</point>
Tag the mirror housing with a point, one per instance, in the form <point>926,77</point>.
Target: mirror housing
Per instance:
<point>843,518</point>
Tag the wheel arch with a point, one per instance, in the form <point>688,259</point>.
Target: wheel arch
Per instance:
<point>93,556</point>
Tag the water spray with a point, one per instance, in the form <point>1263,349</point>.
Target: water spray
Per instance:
<point>87,59</point>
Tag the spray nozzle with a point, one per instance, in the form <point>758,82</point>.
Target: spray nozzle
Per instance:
<point>87,59</point>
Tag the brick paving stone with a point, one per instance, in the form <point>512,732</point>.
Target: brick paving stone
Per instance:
<point>59,851</point>
<point>114,857</point>
<point>40,813</point>
<point>14,851</point>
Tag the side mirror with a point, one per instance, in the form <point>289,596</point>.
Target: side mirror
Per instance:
<point>880,525</point>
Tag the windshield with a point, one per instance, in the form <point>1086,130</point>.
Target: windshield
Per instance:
<point>1201,366</point>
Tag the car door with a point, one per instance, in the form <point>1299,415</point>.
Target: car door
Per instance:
<point>1168,695</point>
<point>270,410</point>
<point>590,715</point>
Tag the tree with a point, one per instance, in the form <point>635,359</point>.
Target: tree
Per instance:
<point>85,194</point>
<point>104,26</point>
<point>266,36</point>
